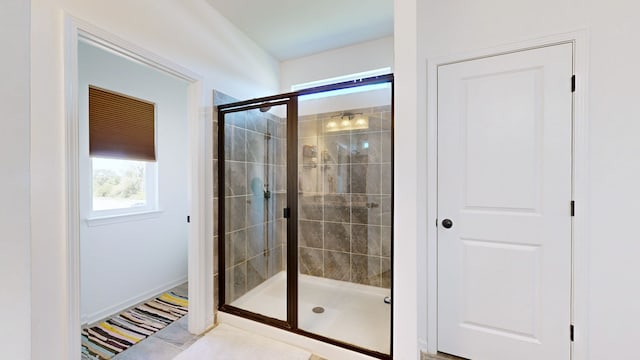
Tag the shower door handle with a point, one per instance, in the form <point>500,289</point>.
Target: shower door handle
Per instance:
<point>286,213</point>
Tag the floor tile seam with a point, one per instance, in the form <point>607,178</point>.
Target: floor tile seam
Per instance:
<point>179,349</point>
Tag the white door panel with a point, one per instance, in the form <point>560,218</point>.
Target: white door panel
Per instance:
<point>504,179</point>
<point>487,136</point>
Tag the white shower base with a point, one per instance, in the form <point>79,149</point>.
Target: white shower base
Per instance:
<point>353,313</point>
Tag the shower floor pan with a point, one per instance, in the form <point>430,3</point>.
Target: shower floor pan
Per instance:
<point>353,313</point>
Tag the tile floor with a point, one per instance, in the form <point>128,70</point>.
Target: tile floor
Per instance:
<point>164,344</point>
<point>439,356</point>
<point>168,342</point>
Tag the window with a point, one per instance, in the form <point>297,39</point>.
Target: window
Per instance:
<point>351,77</point>
<point>123,155</point>
<point>122,185</point>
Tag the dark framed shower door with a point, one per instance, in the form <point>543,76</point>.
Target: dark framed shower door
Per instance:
<point>263,159</point>
<point>254,205</point>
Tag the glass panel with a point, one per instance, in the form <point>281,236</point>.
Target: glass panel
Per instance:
<point>344,169</point>
<point>118,184</point>
<point>255,194</point>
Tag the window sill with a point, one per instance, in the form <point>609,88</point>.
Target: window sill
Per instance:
<point>114,219</point>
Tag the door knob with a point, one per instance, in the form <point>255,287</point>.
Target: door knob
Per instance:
<point>447,223</point>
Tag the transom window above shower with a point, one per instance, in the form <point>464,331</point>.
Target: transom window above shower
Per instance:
<point>339,79</point>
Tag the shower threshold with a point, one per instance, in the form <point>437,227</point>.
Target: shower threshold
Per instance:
<point>353,313</point>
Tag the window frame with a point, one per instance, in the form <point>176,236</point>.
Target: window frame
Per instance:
<point>151,188</point>
<point>340,79</point>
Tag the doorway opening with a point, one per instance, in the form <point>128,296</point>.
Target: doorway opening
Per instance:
<point>85,40</point>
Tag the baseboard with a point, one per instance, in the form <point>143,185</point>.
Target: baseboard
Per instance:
<point>111,310</point>
<point>423,345</point>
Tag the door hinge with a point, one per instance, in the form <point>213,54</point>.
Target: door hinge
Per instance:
<point>573,83</point>
<point>188,219</point>
<point>286,213</point>
<point>573,208</point>
<point>571,331</point>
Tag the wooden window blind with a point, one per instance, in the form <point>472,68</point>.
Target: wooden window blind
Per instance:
<point>120,126</point>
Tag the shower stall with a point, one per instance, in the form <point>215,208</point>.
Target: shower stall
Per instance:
<point>305,212</point>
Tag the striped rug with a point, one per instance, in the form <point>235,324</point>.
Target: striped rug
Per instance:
<point>116,334</point>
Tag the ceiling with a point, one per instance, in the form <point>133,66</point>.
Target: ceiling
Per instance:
<point>289,29</point>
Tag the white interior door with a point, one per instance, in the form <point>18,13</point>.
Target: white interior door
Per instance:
<point>504,182</point>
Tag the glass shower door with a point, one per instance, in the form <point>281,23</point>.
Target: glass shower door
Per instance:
<point>255,230</point>
<point>344,217</point>
<point>306,212</point>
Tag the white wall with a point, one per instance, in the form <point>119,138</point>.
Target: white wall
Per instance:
<point>125,262</point>
<point>458,26</point>
<point>369,55</point>
<point>189,33</point>
<point>14,180</point>
<point>405,183</point>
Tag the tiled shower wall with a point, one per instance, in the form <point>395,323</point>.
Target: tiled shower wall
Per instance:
<point>255,155</point>
<point>345,198</point>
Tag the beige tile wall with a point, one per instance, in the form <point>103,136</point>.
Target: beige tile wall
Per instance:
<point>345,198</point>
